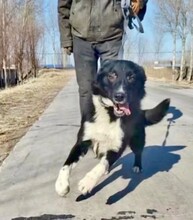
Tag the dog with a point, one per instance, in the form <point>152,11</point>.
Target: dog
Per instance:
<point>112,121</point>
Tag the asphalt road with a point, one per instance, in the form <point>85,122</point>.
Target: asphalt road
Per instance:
<point>163,191</point>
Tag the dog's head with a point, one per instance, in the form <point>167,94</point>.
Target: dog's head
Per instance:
<point>120,85</point>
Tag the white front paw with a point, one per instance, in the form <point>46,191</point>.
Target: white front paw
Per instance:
<point>62,186</point>
<point>87,184</point>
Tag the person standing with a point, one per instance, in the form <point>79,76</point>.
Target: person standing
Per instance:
<point>92,30</point>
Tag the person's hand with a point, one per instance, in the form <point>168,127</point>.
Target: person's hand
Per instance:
<point>68,50</point>
<point>136,5</point>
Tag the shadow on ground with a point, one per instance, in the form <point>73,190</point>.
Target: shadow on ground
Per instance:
<point>175,114</point>
<point>46,217</point>
<point>155,159</point>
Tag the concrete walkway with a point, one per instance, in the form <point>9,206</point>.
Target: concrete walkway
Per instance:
<point>28,175</point>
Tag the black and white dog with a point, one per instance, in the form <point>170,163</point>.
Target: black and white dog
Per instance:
<point>112,121</point>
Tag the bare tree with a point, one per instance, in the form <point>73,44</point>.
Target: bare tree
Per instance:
<point>183,33</point>
<point>190,71</point>
<point>190,25</point>
<point>128,43</point>
<point>169,16</point>
<point>4,40</point>
<point>20,31</point>
<point>35,32</point>
<point>53,32</point>
<point>141,48</point>
<point>158,40</point>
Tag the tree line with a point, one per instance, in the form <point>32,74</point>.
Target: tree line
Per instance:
<point>21,28</point>
<point>176,18</point>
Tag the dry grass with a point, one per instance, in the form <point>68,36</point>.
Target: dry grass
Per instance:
<point>21,106</point>
<point>164,74</point>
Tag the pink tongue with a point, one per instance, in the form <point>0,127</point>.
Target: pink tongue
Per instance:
<point>125,109</point>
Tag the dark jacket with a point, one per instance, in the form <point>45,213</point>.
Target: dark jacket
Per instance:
<point>93,20</point>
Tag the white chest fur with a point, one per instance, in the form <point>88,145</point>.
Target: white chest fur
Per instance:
<point>105,135</point>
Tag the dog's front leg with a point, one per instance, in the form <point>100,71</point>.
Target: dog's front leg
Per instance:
<point>62,185</point>
<point>93,177</point>
<point>137,144</point>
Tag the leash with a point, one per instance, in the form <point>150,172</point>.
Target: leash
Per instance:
<point>129,16</point>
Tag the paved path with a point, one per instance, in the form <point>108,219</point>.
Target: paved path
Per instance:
<point>163,191</point>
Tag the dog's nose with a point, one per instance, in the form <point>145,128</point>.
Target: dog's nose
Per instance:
<point>119,97</point>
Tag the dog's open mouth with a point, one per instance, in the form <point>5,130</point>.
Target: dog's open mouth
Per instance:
<point>121,110</point>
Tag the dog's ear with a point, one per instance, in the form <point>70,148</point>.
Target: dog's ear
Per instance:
<point>107,64</point>
<point>96,84</point>
<point>140,78</point>
<point>98,81</point>
<point>104,66</point>
<point>97,90</point>
<point>141,72</point>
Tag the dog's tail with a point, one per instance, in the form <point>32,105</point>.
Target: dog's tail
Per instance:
<point>156,114</point>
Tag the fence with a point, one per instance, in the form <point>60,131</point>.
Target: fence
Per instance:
<point>60,60</point>
<point>55,60</point>
<point>142,57</point>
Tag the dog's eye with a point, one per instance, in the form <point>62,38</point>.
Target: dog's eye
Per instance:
<point>130,78</point>
<point>112,77</point>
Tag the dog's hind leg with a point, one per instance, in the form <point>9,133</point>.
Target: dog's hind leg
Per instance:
<point>93,177</point>
<point>62,185</point>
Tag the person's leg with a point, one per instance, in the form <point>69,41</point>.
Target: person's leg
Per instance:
<point>86,68</point>
<point>109,49</point>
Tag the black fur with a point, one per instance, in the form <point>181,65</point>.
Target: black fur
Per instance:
<point>119,88</point>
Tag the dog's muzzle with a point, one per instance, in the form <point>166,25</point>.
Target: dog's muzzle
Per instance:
<point>121,107</point>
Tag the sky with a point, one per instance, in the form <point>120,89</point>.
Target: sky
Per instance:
<point>50,11</point>
<point>147,21</point>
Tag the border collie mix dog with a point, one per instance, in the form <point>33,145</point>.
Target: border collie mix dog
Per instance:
<point>112,121</point>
